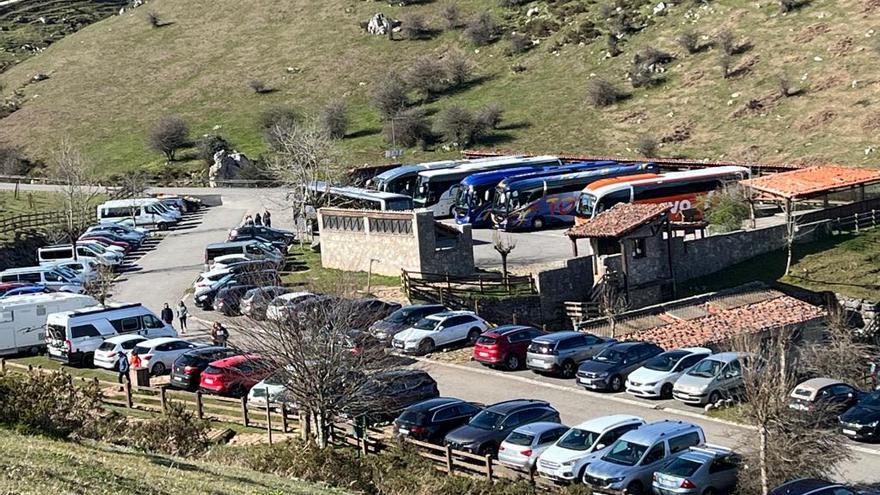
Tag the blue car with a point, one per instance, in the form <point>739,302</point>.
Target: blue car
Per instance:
<point>28,289</point>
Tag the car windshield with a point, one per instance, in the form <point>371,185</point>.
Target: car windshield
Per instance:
<point>426,324</point>
<point>399,316</point>
<point>682,467</point>
<point>609,356</point>
<point>872,401</point>
<point>520,438</point>
<point>665,361</point>
<point>487,420</point>
<point>107,346</point>
<point>706,368</point>
<point>625,453</point>
<point>577,439</point>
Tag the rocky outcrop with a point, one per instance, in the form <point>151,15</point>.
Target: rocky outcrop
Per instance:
<point>227,166</point>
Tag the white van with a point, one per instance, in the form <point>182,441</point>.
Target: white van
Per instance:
<point>23,318</point>
<point>150,212</point>
<point>74,336</point>
<point>50,255</point>
<point>49,276</point>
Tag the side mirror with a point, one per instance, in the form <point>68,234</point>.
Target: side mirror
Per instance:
<point>600,446</point>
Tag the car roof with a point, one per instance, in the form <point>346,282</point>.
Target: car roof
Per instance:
<point>233,360</point>
<point>159,341</point>
<point>803,486</point>
<point>435,403</point>
<point>118,339</point>
<point>557,336</point>
<point>450,314</point>
<point>206,350</point>
<point>705,453</point>
<point>649,433</point>
<point>603,423</point>
<point>514,404</point>
<point>538,427</point>
<point>726,357</point>
<point>508,329</point>
<point>816,384</point>
<point>623,346</point>
<point>294,295</point>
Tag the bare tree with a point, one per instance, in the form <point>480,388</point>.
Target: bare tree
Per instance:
<point>841,354</point>
<point>789,445</point>
<point>504,244</point>
<point>100,286</point>
<point>134,182</point>
<point>612,301</point>
<point>79,190</point>
<point>168,135</point>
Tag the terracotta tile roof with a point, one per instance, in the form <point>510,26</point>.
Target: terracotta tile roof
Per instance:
<point>813,180</point>
<point>723,323</point>
<point>618,220</point>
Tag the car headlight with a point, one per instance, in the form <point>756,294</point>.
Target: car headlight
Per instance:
<point>602,374</point>
<point>874,424</point>
<point>614,481</point>
<point>652,384</point>
<point>568,463</point>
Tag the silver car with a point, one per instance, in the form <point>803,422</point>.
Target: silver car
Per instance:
<point>717,377</point>
<point>523,446</point>
<point>699,471</point>
<point>560,353</point>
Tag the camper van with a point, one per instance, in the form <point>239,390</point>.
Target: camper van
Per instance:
<point>149,212</point>
<point>73,336</point>
<point>23,318</point>
<point>51,255</point>
<point>48,276</point>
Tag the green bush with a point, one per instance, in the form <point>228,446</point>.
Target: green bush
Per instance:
<point>178,432</point>
<point>727,209</point>
<point>48,404</point>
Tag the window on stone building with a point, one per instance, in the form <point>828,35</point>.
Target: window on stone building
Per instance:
<point>638,248</point>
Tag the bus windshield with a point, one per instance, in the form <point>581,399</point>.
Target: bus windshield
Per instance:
<point>422,190</point>
<point>585,205</point>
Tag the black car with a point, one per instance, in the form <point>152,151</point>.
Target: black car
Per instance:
<point>228,300</point>
<point>372,310</point>
<point>386,328</point>
<point>608,369</point>
<point>862,421</point>
<point>187,369</point>
<point>268,233</point>
<point>387,393</point>
<point>808,486</point>
<point>432,419</point>
<point>205,298</point>
<point>485,432</point>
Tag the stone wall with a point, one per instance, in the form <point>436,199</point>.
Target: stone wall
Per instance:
<point>862,312</point>
<point>571,282</point>
<point>698,257</point>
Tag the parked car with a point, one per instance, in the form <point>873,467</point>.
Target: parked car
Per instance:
<point>123,232</point>
<point>17,289</point>
<point>862,421</point>
<point>107,354</point>
<point>525,444</point>
<point>107,242</point>
<point>204,298</point>
<point>234,376</point>
<point>158,355</point>
<point>656,378</point>
<point>254,250</point>
<point>187,368</point>
<point>566,460</point>
<point>560,353</point>
<point>712,379</point>
<point>386,328</point>
<point>393,391</point>
<point>807,486</point>
<point>206,279</point>
<point>85,269</point>
<point>432,419</point>
<point>46,276</point>
<point>699,471</point>
<point>272,390</point>
<point>505,346</point>
<point>255,301</point>
<point>269,233</point>
<point>831,397</point>
<point>610,367</point>
<point>282,307</point>
<point>226,261</point>
<point>629,464</point>
<point>228,300</point>
<point>369,310</point>
<point>484,432</point>
<point>439,330</point>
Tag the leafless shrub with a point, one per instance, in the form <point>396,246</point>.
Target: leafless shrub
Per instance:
<point>408,128</point>
<point>414,26</point>
<point>47,404</point>
<point>612,42</point>
<point>489,117</point>
<point>459,127</point>
<point>154,20</point>
<point>517,43</point>
<point>841,354</point>
<point>390,95</point>
<point>647,146</point>
<point>724,62</point>
<point>459,69</point>
<point>426,76</point>
<point>259,87</point>
<point>277,117</point>
<point>652,57</point>
<point>690,41</point>
<point>725,42</point>
<point>509,4</point>
<point>168,135</point>
<point>451,16</point>
<point>334,119</point>
<point>79,190</point>
<point>602,93</point>
<point>100,286</point>
<point>786,6</point>
<point>177,432</point>
<point>481,29</point>
<point>12,161</point>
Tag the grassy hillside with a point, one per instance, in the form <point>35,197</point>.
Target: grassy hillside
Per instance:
<point>110,81</point>
<point>36,465</point>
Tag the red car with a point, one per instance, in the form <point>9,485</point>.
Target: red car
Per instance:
<point>505,346</point>
<point>234,375</point>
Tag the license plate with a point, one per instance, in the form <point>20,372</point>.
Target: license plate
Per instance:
<point>209,380</point>
<point>403,431</point>
<point>483,354</point>
<point>536,362</point>
<point>179,379</point>
<point>849,432</point>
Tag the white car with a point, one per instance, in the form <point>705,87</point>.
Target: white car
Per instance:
<point>86,269</point>
<point>438,330</point>
<point>280,307</point>
<point>656,378</point>
<point>272,388</point>
<point>566,460</point>
<point>206,279</point>
<point>158,355</point>
<point>107,354</point>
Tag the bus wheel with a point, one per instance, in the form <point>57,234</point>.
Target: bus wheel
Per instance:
<point>538,223</point>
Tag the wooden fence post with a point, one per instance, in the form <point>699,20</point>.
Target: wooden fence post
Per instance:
<point>284,417</point>
<point>128,402</point>
<point>489,467</point>
<point>244,410</point>
<point>2,365</point>
<point>449,463</point>
<point>856,220</point>
<point>873,218</point>
<point>200,408</point>
<point>268,419</point>
<point>163,399</point>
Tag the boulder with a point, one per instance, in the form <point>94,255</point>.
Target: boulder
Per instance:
<point>227,166</point>
<point>379,24</point>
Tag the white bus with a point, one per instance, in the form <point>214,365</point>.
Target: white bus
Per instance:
<point>23,318</point>
<point>436,189</point>
<point>358,198</point>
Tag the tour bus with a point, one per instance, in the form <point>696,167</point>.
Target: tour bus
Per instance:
<point>23,318</point>
<point>475,193</point>
<point>535,202</point>
<point>402,180</point>
<point>436,189</point>
<point>144,211</point>
<point>358,198</point>
<point>685,190</point>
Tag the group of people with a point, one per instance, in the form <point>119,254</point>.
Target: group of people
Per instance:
<point>265,219</point>
<point>167,316</point>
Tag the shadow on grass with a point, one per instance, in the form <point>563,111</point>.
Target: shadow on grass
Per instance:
<point>512,126</point>
<point>372,131</point>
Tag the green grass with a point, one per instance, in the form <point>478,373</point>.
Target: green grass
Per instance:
<point>733,414</point>
<point>321,279</point>
<point>28,202</point>
<point>37,465</point>
<point>848,264</point>
<point>113,79</point>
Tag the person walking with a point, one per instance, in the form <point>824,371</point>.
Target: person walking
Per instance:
<point>122,367</point>
<point>258,220</point>
<point>167,315</point>
<point>134,361</point>
<point>219,334</point>
<point>182,313</point>
<point>267,219</point>
<point>248,220</point>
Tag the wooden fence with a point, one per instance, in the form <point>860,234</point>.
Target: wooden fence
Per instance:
<point>459,292</point>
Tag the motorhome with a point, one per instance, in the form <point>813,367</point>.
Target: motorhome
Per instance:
<point>23,318</point>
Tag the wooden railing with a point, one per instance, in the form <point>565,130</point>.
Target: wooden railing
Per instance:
<point>460,292</point>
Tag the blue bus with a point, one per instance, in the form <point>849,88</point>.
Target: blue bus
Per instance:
<point>536,202</point>
<point>476,193</point>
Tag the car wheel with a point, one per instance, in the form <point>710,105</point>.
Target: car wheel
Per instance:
<point>426,346</point>
<point>538,223</point>
<point>487,449</point>
<point>709,491</point>
<point>666,391</point>
<point>163,226</point>
<point>616,383</point>
<point>473,335</point>
<point>635,488</point>
<point>714,397</point>
<point>512,363</point>
<point>158,369</point>
<point>568,369</point>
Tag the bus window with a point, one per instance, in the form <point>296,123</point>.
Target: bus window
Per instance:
<point>612,199</point>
